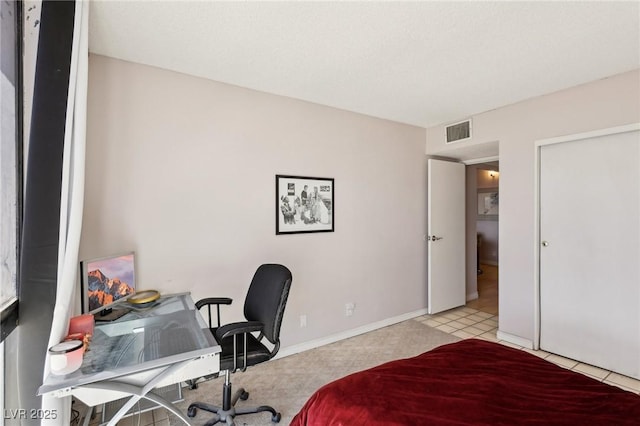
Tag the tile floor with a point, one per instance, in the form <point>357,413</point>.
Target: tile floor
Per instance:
<point>467,322</point>
<point>157,417</point>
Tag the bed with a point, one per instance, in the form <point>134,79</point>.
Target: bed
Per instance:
<point>471,382</point>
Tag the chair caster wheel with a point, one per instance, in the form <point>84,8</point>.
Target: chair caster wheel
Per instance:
<point>191,411</point>
<point>244,395</point>
<point>276,418</point>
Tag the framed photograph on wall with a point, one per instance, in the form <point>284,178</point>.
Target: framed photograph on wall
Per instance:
<point>488,204</point>
<point>304,204</point>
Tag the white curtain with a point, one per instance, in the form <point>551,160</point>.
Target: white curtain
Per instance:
<point>72,199</point>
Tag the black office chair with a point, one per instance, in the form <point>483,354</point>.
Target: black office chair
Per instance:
<point>263,309</point>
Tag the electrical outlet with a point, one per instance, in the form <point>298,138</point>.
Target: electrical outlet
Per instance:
<point>303,321</point>
<point>349,308</point>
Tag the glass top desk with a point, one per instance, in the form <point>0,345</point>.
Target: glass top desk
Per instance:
<point>165,343</point>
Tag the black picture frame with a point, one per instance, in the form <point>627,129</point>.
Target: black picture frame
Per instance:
<point>304,204</point>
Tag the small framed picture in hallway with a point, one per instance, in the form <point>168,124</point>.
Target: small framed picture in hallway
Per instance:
<point>488,203</point>
<point>304,204</point>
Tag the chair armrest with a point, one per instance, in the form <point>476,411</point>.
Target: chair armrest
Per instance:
<point>243,327</point>
<point>238,329</point>
<point>217,301</point>
<point>213,301</point>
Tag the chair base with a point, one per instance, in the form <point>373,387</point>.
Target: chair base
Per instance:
<point>228,411</point>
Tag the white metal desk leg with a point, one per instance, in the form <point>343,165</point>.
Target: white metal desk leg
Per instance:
<point>138,393</point>
<point>87,417</point>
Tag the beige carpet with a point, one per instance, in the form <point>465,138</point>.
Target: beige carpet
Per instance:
<point>287,383</point>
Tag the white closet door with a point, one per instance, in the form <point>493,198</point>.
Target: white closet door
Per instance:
<point>590,251</point>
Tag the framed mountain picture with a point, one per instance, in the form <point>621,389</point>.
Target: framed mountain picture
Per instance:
<point>107,280</point>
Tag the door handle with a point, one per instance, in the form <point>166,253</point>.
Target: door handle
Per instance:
<point>434,238</point>
<point>545,243</point>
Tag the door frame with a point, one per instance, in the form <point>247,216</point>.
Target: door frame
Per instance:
<point>474,242</point>
<point>470,155</point>
<point>538,145</point>
<point>481,160</point>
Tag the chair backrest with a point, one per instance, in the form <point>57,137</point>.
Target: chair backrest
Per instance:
<point>267,297</point>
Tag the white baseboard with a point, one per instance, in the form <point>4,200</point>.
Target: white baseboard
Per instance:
<point>312,344</point>
<point>472,296</point>
<point>516,340</point>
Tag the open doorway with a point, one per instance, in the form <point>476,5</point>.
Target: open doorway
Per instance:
<point>482,187</point>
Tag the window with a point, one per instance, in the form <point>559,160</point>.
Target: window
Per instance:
<point>10,159</point>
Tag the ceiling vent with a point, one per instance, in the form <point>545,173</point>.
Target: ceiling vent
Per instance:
<point>459,131</point>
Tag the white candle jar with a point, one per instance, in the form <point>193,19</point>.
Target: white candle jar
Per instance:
<point>66,357</point>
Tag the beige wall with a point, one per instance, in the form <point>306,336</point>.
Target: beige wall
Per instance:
<point>488,228</point>
<point>182,170</point>
<point>485,180</point>
<point>601,104</point>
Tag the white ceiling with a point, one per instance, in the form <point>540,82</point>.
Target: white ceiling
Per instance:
<point>422,63</point>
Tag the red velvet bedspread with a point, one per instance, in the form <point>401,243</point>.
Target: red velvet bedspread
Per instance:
<point>472,382</point>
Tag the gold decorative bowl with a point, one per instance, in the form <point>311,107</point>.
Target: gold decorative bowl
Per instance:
<point>143,297</point>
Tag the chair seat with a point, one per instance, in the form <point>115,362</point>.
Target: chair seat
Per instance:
<point>256,351</point>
